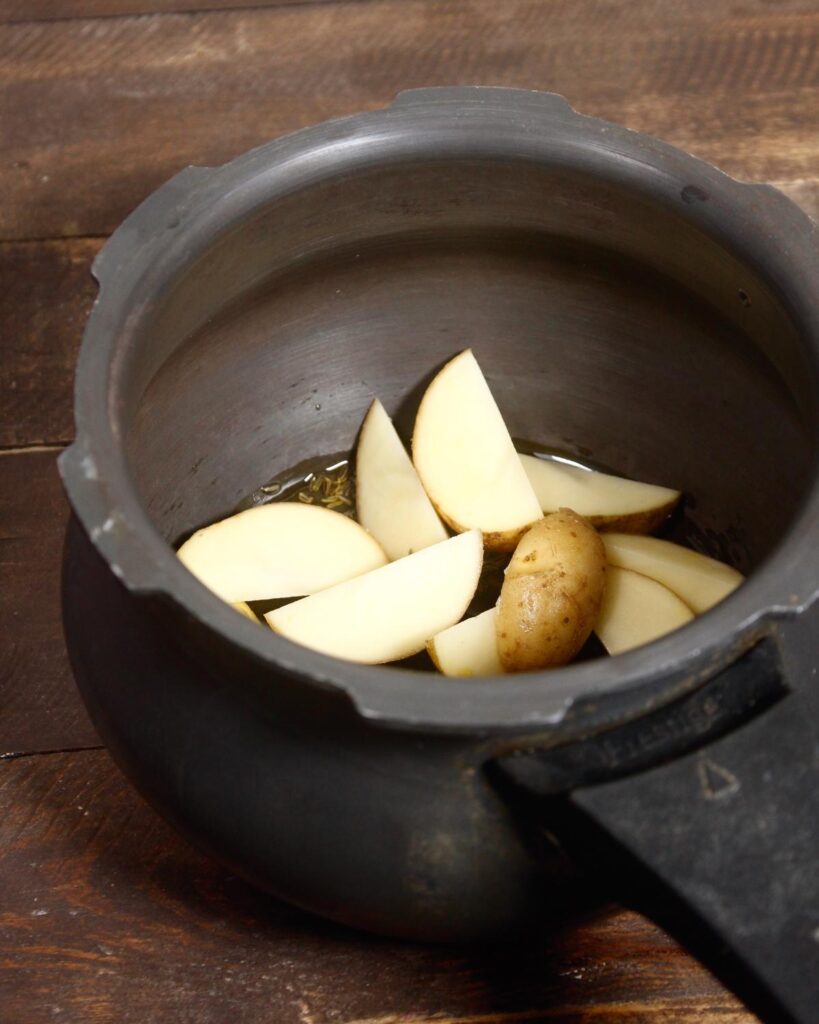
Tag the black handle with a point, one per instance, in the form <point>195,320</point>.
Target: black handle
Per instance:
<point>705,817</point>
<point>722,848</point>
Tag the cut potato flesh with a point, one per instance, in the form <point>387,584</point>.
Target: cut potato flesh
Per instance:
<point>466,460</point>
<point>700,581</point>
<point>469,648</point>
<point>391,612</point>
<point>280,550</point>
<point>608,502</point>
<point>244,609</point>
<point>391,502</point>
<point>637,610</point>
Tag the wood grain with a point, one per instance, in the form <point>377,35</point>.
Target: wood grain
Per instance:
<point>46,294</point>
<point>40,708</point>
<point>108,917</point>
<point>53,10</point>
<point>97,112</point>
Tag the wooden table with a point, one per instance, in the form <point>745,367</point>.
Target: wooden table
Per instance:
<point>105,915</point>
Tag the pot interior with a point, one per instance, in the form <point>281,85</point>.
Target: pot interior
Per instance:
<point>610,327</point>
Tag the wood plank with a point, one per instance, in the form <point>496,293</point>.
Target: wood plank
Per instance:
<point>40,708</point>
<point>108,917</point>
<point>52,10</point>
<point>97,113</point>
<point>46,295</point>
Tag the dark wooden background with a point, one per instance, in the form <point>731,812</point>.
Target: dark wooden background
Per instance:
<point>105,915</point>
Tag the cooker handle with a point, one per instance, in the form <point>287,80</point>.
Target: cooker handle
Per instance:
<point>716,838</point>
<point>721,847</point>
<point>704,815</point>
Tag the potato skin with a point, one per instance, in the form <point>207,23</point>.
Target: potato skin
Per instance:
<point>551,594</point>
<point>635,522</point>
<point>493,540</point>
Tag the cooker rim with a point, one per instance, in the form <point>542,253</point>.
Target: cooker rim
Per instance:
<point>573,700</point>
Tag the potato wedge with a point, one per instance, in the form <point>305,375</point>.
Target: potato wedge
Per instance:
<point>699,580</point>
<point>391,502</point>
<point>551,594</point>
<point>608,502</point>
<point>285,549</point>
<point>466,460</point>
<point>469,648</point>
<point>637,610</point>
<point>391,612</point>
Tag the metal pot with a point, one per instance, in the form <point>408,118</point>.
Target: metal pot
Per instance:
<point>627,302</point>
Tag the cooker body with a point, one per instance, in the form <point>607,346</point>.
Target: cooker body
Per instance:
<point>632,309</point>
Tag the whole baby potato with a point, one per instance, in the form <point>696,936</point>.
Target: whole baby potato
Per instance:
<point>552,593</point>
